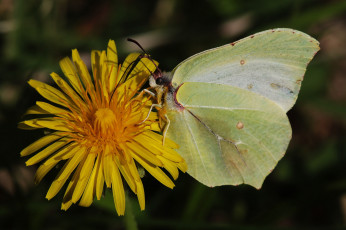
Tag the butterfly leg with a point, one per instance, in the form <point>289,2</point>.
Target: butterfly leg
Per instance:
<point>149,92</point>
<point>168,122</point>
<point>151,108</point>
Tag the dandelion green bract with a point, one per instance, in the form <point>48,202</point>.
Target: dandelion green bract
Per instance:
<point>227,106</point>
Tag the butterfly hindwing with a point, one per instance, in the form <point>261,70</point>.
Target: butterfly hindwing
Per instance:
<point>228,135</point>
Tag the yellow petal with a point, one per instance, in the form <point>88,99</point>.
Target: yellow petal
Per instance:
<point>50,123</point>
<point>52,109</point>
<point>88,195</point>
<point>126,66</point>
<point>125,171</point>
<point>133,169</point>
<point>182,166</point>
<point>53,123</point>
<point>158,138</point>
<point>140,194</point>
<point>46,152</point>
<point>156,147</point>
<point>112,64</point>
<point>71,164</point>
<point>71,74</point>
<point>170,167</point>
<point>99,179</point>
<point>169,153</point>
<point>42,171</point>
<point>35,110</point>
<point>75,100</point>
<point>63,154</point>
<point>95,65</point>
<point>30,123</point>
<point>50,163</point>
<point>118,190</point>
<point>67,200</point>
<point>82,69</point>
<point>155,172</point>
<point>147,65</point>
<point>132,76</point>
<point>40,143</point>
<point>66,205</point>
<point>24,126</point>
<point>135,65</point>
<point>149,143</point>
<point>104,73</point>
<point>106,162</point>
<point>139,150</point>
<point>83,177</point>
<point>65,173</point>
<point>155,127</point>
<point>49,92</point>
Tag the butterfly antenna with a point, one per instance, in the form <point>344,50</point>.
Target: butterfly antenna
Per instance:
<point>137,43</point>
<point>126,74</point>
<point>134,63</point>
<point>145,56</point>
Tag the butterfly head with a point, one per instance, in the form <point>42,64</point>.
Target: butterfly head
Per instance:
<point>162,78</point>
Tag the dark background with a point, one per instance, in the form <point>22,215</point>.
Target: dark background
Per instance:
<point>307,189</point>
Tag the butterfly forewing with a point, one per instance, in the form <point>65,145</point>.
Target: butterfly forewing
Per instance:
<point>271,63</point>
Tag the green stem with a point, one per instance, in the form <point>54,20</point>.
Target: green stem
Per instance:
<point>129,218</point>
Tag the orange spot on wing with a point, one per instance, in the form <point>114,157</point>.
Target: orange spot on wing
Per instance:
<point>240,125</point>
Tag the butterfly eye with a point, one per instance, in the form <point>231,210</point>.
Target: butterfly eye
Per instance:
<point>160,81</point>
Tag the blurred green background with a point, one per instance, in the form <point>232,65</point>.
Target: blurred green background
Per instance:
<point>307,189</point>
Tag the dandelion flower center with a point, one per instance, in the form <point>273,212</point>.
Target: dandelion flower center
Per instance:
<point>104,120</point>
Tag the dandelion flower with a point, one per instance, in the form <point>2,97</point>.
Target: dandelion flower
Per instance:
<point>97,130</point>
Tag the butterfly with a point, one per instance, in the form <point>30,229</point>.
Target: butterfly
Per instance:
<point>226,107</point>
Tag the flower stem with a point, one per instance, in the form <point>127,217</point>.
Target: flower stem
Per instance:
<point>129,218</point>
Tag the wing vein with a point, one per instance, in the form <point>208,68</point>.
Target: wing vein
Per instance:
<point>260,143</point>
<point>217,107</point>
<point>196,146</point>
<point>234,165</point>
